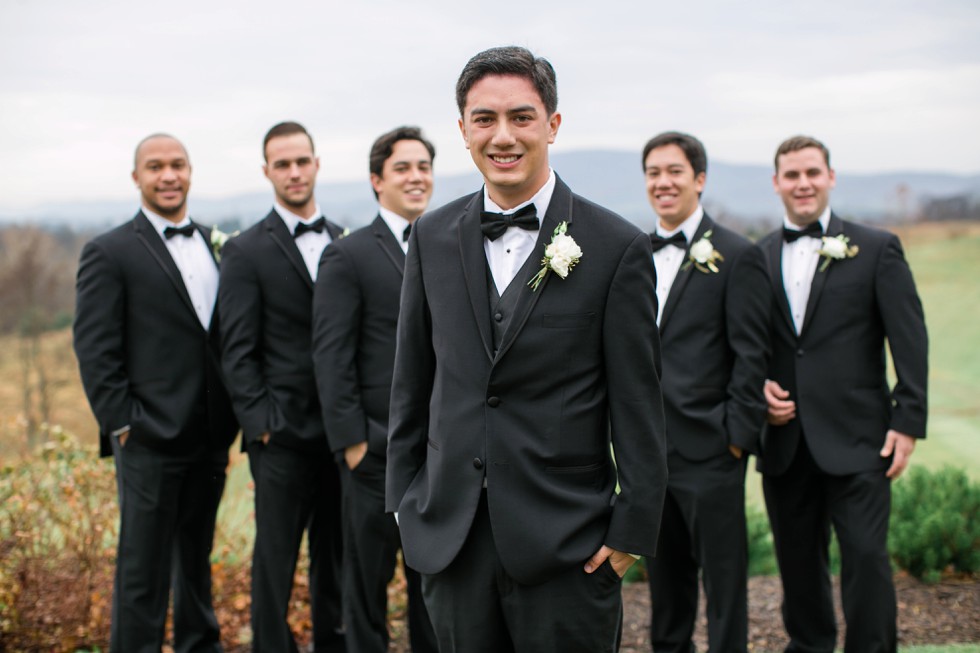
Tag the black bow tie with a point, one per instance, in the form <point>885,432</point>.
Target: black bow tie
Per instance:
<point>813,230</point>
<point>494,225</point>
<point>407,233</point>
<point>187,231</point>
<point>317,225</point>
<point>658,242</point>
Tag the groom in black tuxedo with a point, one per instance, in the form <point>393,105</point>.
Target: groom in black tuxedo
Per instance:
<point>714,305</point>
<point>146,341</point>
<point>266,292</point>
<point>355,312</point>
<point>516,366</point>
<point>837,435</point>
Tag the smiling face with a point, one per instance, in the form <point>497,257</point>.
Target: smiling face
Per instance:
<point>672,187</point>
<point>292,167</point>
<point>507,130</point>
<point>405,183</point>
<point>163,174</point>
<point>803,180</point>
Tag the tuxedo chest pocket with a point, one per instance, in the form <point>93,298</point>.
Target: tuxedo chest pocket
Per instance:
<point>567,320</point>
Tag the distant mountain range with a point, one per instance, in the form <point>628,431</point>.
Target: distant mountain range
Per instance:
<point>736,193</point>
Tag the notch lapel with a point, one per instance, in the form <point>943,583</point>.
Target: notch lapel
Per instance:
<point>388,244</point>
<point>158,250</point>
<point>280,235</point>
<point>559,210</point>
<point>474,263</point>
<point>834,228</point>
<point>685,273</point>
<point>774,254</point>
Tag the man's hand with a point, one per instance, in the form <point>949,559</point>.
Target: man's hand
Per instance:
<point>620,561</point>
<point>354,454</point>
<point>265,438</point>
<point>735,451</point>
<point>902,446</point>
<point>122,438</point>
<point>781,409</point>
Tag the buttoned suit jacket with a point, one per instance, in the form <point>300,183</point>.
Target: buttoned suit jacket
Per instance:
<point>359,282</point>
<point>266,300</point>
<point>145,359</point>
<point>578,367</point>
<point>714,332</point>
<point>835,369</point>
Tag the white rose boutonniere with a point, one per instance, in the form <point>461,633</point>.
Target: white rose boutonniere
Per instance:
<point>703,255</point>
<point>836,248</point>
<point>560,256</point>
<point>345,233</point>
<point>218,240</point>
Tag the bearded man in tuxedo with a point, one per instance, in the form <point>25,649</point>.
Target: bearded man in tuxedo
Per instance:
<point>145,335</point>
<point>266,293</point>
<point>527,343</point>
<point>838,435</point>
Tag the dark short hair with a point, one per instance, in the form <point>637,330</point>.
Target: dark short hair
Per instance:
<point>509,60</point>
<point>287,128</point>
<point>693,149</point>
<point>797,143</point>
<point>385,145</point>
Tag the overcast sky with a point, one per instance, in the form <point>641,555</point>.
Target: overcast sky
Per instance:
<point>888,85</point>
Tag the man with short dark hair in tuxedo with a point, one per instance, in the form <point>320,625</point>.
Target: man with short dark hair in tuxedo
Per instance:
<point>355,312</point>
<point>146,341</point>
<point>266,293</point>
<point>837,434</point>
<point>714,306</point>
<point>527,343</point>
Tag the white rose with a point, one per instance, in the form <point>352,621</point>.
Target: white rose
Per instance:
<point>834,247</point>
<point>701,251</point>
<point>562,253</point>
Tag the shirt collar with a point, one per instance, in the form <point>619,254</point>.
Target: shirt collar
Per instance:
<point>541,199</point>
<point>824,221</point>
<point>394,221</point>
<point>689,226</point>
<point>160,223</point>
<point>291,219</point>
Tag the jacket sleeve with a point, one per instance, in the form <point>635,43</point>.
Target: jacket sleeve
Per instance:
<point>631,349</point>
<point>240,306</point>
<point>337,305</point>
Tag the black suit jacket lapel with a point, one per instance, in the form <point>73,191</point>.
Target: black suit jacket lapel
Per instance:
<point>474,261</point>
<point>774,254</point>
<point>158,250</point>
<point>834,228</point>
<point>388,244</point>
<point>277,230</point>
<point>684,274</point>
<point>559,210</point>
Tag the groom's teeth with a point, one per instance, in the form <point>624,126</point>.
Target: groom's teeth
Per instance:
<point>505,159</point>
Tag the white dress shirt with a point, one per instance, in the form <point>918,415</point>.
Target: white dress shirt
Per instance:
<point>667,262</point>
<point>397,224</point>
<point>799,264</point>
<point>195,262</point>
<point>507,254</point>
<point>311,244</point>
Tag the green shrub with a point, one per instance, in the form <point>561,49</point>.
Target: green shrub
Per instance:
<point>762,558</point>
<point>935,523</point>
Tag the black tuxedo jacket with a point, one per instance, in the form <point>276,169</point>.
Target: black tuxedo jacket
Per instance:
<point>835,369</point>
<point>714,332</point>
<point>266,301</point>
<point>579,366</point>
<point>145,359</point>
<point>360,280</point>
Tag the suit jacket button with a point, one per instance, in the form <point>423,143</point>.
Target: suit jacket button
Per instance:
<point>799,353</point>
<point>477,463</point>
<point>493,402</point>
<point>498,316</point>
